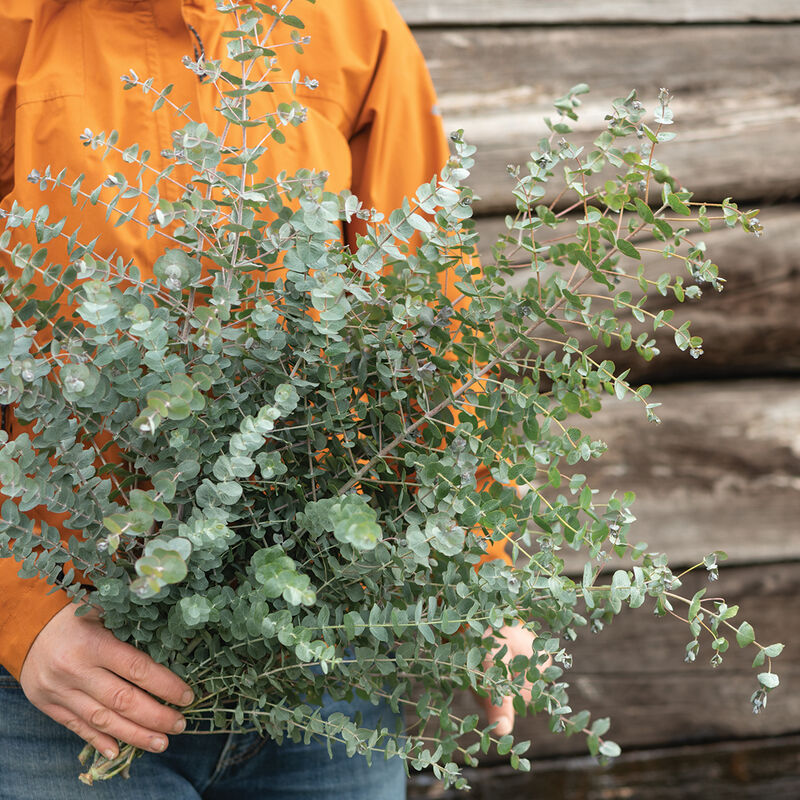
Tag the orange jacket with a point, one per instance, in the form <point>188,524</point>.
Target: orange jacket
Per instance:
<point>372,124</point>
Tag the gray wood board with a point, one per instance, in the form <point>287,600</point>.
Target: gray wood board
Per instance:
<point>633,672</point>
<point>574,12</point>
<point>720,472</point>
<point>738,770</point>
<point>735,87</point>
<point>751,328</point>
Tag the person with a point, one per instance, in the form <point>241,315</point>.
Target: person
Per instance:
<point>373,126</point>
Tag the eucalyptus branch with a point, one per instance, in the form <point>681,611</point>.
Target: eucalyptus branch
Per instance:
<point>299,503</point>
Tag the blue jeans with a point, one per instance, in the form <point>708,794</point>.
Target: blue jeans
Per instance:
<point>38,761</point>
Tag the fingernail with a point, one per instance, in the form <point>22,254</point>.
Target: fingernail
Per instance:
<point>187,698</point>
<point>179,726</point>
<point>110,754</point>
<point>157,744</point>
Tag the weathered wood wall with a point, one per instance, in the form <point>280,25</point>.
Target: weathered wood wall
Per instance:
<point>749,329</point>
<point>735,91</point>
<point>471,13</point>
<point>722,471</point>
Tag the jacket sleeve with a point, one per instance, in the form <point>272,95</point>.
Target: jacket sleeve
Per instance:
<point>26,605</point>
<point>15,23</point>
<point>399,143</point>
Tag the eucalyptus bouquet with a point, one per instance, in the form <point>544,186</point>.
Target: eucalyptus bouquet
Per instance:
<point>298,505</point>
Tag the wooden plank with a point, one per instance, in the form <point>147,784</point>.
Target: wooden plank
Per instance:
<point>582,12</point>
<point>742,770</point>
<point>721,471</point>
<point>735,91</point>
<point>749,329</point>
<point>634,673</point>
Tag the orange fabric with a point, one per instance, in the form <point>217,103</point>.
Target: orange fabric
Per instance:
<point>371,124</point>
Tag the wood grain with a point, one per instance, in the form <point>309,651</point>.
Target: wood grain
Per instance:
<point>721,471</point>
<point>736,90</point>
<point>634,673</point>
<point>737,770</point>
<point>576,12</point>
<point>749,329</point>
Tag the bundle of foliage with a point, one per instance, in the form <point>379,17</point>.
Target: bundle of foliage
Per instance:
<point>297,509</point>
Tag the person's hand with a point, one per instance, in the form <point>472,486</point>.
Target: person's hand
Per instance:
<point>519,642</point>
<point>79,674</point>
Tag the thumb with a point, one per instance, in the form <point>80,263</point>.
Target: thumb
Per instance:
<point>503,715</point>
